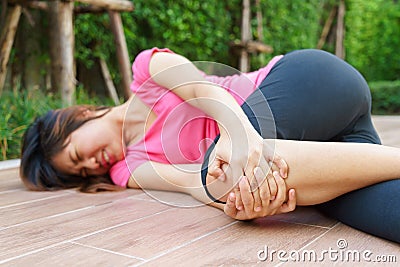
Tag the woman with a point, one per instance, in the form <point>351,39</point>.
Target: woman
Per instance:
<point>158,138</point>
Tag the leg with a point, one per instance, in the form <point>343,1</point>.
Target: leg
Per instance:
<point>322,171</point>
<point>309,95</point>
<point>341,113</point>
<point>374,209</point>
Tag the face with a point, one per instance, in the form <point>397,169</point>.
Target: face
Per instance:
<point>91,149</point>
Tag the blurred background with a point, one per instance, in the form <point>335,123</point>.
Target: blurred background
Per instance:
<point>365,33</point>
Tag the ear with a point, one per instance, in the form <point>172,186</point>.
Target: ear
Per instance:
<point>87,113</point>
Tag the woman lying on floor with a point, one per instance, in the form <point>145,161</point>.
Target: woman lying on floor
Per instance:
<point>159,138</point>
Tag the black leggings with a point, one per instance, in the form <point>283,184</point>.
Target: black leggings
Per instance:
<point>313,95</point>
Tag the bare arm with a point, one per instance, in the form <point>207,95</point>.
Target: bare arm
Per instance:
<point>183,178</point>
<point>186,179</point>
<point>239,144</point>
<point>179,75</point>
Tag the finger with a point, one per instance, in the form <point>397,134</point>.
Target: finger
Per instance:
<point>215,168</point>
<point>281,194</point>
<point>273,169</point>
<point>272,183</point>
<point>259,176</point>
<point>290,205</point>
<point>247,196</point>
<point>282,165</point>
<point>252,180</point>
<point>238,197</point>
<point>230,207</point>
<point>264,167</point>
<point>265,194</point>
<point>224,168</point>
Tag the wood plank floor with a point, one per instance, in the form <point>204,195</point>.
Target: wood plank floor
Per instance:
<point>134,228</point>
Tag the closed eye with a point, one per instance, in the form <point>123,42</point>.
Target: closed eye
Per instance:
<point>74,161</point>
<point>83,171</point>
<point>77,155</point>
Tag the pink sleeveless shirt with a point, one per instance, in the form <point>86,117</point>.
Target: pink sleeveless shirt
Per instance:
<point>181,133</point>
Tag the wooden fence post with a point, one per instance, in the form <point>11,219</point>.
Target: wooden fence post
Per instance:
<point>62,49</point>
<point>122,52</point>
<point>6,41</point>
<point>246,36</point>
<point>340,30</point>
<point>109,83</point>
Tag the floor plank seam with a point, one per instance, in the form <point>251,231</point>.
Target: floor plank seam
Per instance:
<point>312,241</point>
<point>187,243</point>
<point>61,214</point>
<point>12,191</point>
<point>31,201</point>
<point>77,238</point>
<point>320,236</point>
<point>108,251</point>
<point>119,225</point>
<point>143,199</point>
<point>304,224</point>
<point>47,217</point>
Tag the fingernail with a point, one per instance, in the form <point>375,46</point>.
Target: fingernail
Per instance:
<point>273,198</point>
<point>240,207</point>
<point>257,209</point>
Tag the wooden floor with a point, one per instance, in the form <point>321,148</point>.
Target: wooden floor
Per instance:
<point>133,227</point>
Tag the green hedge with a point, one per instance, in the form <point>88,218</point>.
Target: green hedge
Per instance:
<point>385,97</point>
<point>200,30</point>
<point>372,38</point>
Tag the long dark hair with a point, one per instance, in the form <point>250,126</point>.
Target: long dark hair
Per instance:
<point>46,137</point>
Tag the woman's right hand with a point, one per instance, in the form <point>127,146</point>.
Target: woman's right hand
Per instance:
<point>270,204</point>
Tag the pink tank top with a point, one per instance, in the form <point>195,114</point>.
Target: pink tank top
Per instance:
<point>181,133</point>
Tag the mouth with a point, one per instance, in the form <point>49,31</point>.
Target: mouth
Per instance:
<point>106,160</point>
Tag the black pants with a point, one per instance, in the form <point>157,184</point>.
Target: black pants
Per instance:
<point>313,95</point>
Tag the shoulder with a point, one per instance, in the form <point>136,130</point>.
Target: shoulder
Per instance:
<point>140,66</point>
<point>144,57</point>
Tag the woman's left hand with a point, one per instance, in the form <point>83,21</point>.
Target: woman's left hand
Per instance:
<point>242,151</point>
<point>270,206</point>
